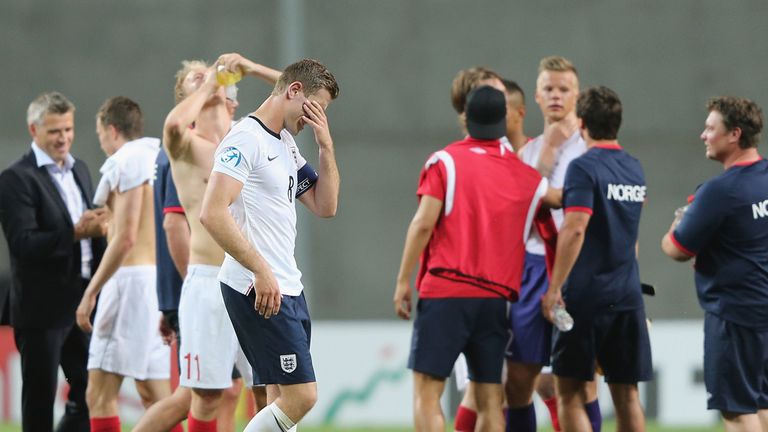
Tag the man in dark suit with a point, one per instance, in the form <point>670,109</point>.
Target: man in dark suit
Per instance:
<point>55,240</point>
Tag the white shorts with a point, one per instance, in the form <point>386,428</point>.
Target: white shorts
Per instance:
<point>126,340</point>
<point>209,346</point>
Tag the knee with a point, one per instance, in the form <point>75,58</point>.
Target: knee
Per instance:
<point>232,394</point>
<point>208,399</point>
<point>96,399</point>
<point>91,397</point>
<point>625,396</point>
<point>308,398</point>
<point>425,400</point>
<point>147,394</point>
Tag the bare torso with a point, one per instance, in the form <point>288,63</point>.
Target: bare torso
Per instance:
<point>191,171</point>
<point>143,251</point>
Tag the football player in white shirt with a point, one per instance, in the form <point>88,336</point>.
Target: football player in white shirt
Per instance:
<point>249,209</point>
<point>126,341</point>
<point>208,345</point>
<point>557,89</point>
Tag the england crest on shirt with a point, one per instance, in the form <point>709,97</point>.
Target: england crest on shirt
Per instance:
<point>288,363</point>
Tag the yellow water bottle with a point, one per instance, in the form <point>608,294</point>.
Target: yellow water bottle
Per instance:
<point>227,78</point>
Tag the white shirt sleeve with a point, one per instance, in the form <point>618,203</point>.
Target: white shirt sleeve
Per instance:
<point>238,154</point>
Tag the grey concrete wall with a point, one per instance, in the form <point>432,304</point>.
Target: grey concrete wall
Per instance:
<point>395,60</point>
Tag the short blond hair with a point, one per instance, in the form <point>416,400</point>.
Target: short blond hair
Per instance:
<point>181,74</point>
<point>557,64</point>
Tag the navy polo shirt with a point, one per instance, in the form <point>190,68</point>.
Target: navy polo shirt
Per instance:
<point>166,201</point>
<point>609,184</point>
<point>726,228</point>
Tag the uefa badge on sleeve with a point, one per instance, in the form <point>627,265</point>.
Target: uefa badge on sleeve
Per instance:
<point>288,363</point>
<point>231,156</point>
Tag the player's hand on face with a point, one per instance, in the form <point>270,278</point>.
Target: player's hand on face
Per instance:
<point>314,116</point>
<point>84,310</point>
<point>549,300</point>
<point>556,133</point>
<point>402,300</point>
<point>166,331</point>
<point>268,296</point>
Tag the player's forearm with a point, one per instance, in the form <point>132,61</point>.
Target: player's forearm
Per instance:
<point>416,240</point>
<point>569,243</point>
<point>223,229</point>
<point>116,251</point>
<point>670,248</point>
<point>265,73</point>
<point>553,199</point>
<point>328,182</point>
<point>183,115</point>
<point>177,238</point>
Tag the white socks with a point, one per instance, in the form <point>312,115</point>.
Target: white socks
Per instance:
<point>271,419</point>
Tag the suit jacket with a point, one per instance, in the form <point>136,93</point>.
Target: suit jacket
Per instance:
<point>46,284</point>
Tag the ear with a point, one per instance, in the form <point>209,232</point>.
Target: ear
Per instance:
<point>294,89</point>
<point>32,130</point>
<point>113,132</point>
<point>735,134</point>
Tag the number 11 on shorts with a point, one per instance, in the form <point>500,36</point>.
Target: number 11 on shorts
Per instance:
<point>189,365</point>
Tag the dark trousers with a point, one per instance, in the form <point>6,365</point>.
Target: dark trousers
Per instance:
<point>42,351</point>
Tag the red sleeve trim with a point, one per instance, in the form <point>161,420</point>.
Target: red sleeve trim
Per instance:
<point>677,244</point>
<point>586,210</point>
<point>173,210</point>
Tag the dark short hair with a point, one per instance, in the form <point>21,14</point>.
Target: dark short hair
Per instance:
<point>465,81</point>
<point>600,110</point>
<point>124,114</point>
<point>512,88</point>
<point>739,113</point>
<point>312,74</point>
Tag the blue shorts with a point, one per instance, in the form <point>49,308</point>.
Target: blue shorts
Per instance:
<point>277,348</point>
<point>530,334</point>
<point>618,340</point>
<point>445,327</point>
<point>735,366</point>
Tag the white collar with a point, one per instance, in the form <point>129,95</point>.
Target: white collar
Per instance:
<point>43,159</point>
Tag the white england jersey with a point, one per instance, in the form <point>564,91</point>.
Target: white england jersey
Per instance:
<point>265,211</point>
<point>572,148</point>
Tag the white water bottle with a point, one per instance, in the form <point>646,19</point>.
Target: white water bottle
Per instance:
<point>561,318</point>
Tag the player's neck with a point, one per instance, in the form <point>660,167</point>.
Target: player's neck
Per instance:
<point>272,114</point>
<point>741,157</point>
<point>570,122</point>
<point>213,122</point>
<point>118,145</point>
<point>518,139</point>
<point>601,143</point>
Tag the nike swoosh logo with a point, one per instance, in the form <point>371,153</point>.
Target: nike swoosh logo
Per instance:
<point>272,158</point>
